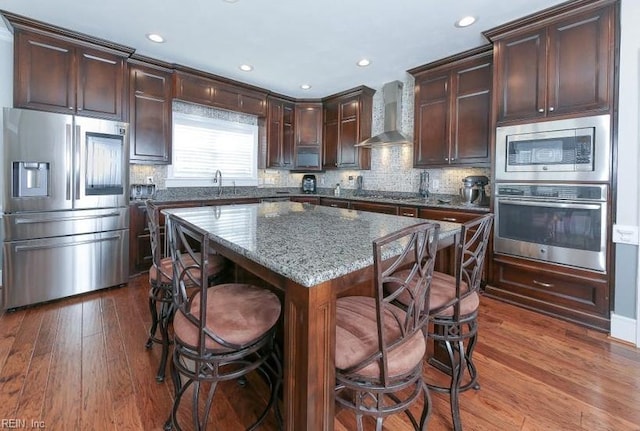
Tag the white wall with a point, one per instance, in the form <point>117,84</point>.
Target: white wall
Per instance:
<point>625,321</point>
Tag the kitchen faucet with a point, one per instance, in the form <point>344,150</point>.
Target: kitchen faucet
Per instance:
<point>218,179</point>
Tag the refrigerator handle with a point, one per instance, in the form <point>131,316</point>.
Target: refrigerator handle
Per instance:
<point>68,155</point>
<point>77,160</point>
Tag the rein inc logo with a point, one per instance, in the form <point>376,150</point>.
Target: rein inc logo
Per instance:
<point>16,423</point>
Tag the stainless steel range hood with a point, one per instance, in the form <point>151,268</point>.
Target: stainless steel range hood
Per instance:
<point>392,99</point>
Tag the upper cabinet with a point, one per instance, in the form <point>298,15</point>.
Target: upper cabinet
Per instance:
<point>149,113</point>
<point>347,121</point>
<point>308,136</point>
<point>60,74</point>
<point>557,63</point>
<point>280,133</point>
<point>452,118</point>
<point>206,90</point>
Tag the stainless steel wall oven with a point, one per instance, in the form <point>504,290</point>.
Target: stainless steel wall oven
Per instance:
<point>558,223</point>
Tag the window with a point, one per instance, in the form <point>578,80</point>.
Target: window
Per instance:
<point>207,139</point>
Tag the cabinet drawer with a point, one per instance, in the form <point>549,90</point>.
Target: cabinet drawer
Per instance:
<point>553,286</point>
<point>448,215</point>
<point>408,211</point>
<point>336,203</point>
<point>375,207</point>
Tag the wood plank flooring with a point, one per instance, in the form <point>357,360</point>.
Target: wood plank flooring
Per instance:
<point>81,364</point>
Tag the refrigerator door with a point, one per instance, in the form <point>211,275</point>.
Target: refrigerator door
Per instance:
<point>101,154</point>
<point>51,268</point>
<point>36,161</point>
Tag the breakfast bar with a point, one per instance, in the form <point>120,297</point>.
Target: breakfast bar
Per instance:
<point>312,255</point>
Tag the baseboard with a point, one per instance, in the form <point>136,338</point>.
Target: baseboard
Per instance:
<point>623,328</point>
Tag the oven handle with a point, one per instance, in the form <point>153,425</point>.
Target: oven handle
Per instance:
<point>555,204</point>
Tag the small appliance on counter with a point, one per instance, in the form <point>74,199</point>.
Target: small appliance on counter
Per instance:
<point>308,183</point>
<point>473,190</point>
<point>142,191</point>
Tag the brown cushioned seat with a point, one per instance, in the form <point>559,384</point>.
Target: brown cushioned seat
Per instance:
<point>443,291</point>
<point>237,313</point>
<point>216,265</point>
<point>357,338</point>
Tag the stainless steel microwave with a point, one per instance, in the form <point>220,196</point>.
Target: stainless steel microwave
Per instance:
<point>576,149</point>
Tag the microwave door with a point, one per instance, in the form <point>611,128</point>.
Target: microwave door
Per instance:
<point>36,161</point>
<point>101,151</point>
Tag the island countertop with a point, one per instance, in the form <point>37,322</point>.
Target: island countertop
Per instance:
<point>308,244</point>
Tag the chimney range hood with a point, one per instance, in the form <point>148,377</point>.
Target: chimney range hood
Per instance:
<point>392,99</point>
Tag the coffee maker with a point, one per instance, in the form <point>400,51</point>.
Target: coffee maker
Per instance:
<point>308,183</point>
<point>473,190</point>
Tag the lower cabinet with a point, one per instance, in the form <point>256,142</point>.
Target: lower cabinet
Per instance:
<point>568,293</point>
<point>336,203</point>
<point>306,199</point>
<point>374,207</point>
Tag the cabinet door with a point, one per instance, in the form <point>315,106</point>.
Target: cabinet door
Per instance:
<point>432,111</point>
<point>522,76</point>
<point>150,115</point>
<point>288,134</point>
<point>580,54</point>
<point>44,73</point>
<point>100,84</point>
<point>274,134</point>
<point>331,135</point>
<point>193,89</point>
<point>471,132</point>
<point>309,124</point>
<point>349,134</point>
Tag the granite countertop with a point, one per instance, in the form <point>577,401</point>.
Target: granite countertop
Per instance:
<point>308,244</point>
<point>398,198</point>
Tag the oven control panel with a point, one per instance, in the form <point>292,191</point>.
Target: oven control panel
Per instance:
<point>554,191</point>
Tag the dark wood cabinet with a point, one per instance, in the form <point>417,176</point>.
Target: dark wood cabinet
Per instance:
<point>55,73</point>
<point>571,294</point>
<point>306,199</point>
<point>336,203</point>
<point>452,120</point>
<point>207,90</point>
<point>149,114</point>
<point>308,136</point>
<point>374,207</point>
<point>280,133</point>
<point>560,63</point>
<point>347,121</point>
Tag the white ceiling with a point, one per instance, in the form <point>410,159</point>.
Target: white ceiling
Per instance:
<point>289,42</point>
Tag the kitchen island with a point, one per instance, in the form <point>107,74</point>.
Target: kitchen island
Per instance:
<point>313,255</point>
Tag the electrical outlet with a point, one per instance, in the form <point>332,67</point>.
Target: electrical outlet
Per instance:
<point>149,180</point>
<point>435,184</point>
<point>625,234</point>
<point>352,182</point>
<point>322,181</point>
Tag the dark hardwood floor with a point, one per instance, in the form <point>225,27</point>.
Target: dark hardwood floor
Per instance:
<point>81,364</point>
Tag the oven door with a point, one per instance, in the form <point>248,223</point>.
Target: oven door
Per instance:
<point>557,231</point>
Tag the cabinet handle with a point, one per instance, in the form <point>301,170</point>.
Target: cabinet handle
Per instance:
<point>453,219</point>
<point>551,108</point>
<point>334,205</point>
<point>446,158</point>
<point>408,214</point>
<point>541,110</point>
<point>540,283</point>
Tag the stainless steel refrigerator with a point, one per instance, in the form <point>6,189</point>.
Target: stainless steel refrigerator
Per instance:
<point>65,219</point>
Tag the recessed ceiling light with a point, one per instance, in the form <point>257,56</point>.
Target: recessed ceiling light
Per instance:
<point>466,21</point>
<point>230,1</point>
<point>154,37</point>
<point>363,63</point>
<point>305,86</point>
<point>246,67</point>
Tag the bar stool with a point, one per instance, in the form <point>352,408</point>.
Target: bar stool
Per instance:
<point>454,312</point>
<point>160,282</point>
<point>221,332</point>
<point>379,346</point>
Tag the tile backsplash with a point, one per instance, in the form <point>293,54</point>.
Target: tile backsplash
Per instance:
<point>391,167</point>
